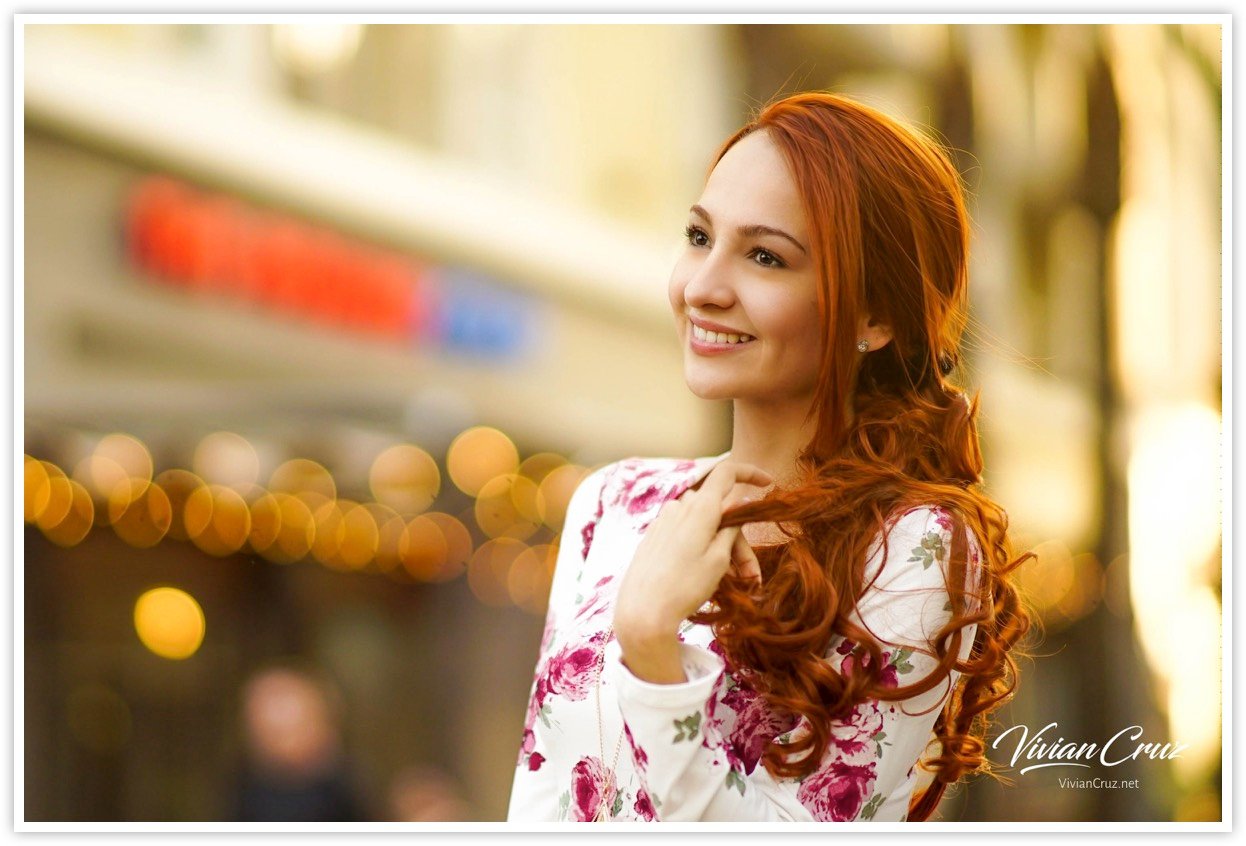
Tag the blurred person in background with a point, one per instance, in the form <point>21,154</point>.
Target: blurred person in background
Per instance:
<point>780,631</point>
<point>295,768</point>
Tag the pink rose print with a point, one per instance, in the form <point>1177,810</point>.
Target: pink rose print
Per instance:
<point>643,494</point>
<point>596,605</point>
<point>756,727</point>
<point>526,747</point>
<point>625,494</point>
<point>588,777</point>
<point>645,500</point>
<point>644,806</point>
<point>590,528</point>
<point>889,677</point>
<point>638,754</point>
<point>570,673</point>
<point>943,519</point>
<point>855,735</point>
<point>837,792</point>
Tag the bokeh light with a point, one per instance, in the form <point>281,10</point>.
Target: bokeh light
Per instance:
<point>530,576</point>
<point>555,491</point>
<point>101,476</point>
<point>360,537</point>
<point>405,478</point>
<point>141,520</point>
<point>478,455</point>
<point>389,529</point>
<point>128,453</point>
<point>496,511</point>
<point>1048,577</point>
<point>119,468</point>
<point>423,549</point>
<point>77,519</point>
<point>227,458</point>
<point>169,622</point>
<point>525,499</point>
<point>299,475</point>
<point>55,505</point>
<point>37,489</point>
<point>330,532</point>
<point>265,522</point>
<point>291,525</point>
<point>218,520</point>
<point>537,467</point>
<point>435,547</point>
<point>489,568</point>
<point>1086,591</point>
<point>178,485</point>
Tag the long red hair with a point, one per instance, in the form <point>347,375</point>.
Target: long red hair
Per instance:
<point>890,234</point>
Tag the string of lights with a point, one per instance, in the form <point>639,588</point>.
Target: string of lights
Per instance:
<point>299,515</point>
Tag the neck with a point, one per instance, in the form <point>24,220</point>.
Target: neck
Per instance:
<point>770,435</point>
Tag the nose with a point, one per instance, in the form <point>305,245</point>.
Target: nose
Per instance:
<point>709,284</point>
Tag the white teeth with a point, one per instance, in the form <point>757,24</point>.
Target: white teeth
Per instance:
<point>718,337</point>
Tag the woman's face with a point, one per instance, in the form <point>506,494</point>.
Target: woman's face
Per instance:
<point>744,290</point>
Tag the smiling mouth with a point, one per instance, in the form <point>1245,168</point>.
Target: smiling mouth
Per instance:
<point>707,337</point>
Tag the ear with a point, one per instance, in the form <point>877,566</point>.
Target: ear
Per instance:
<point>877,335</point>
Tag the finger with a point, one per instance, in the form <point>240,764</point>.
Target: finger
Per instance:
<point>728,474</point>
<point>719,548</point>
<point>744,560</point>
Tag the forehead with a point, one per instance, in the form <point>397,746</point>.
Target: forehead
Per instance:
<point>752,184</point>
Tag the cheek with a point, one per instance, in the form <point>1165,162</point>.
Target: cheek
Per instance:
<point>793,321</point>
<point>675,289</point>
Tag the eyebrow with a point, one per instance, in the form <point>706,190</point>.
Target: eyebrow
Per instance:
<point>752,229</point>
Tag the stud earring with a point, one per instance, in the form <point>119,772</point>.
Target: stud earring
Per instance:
<point>863,345</point>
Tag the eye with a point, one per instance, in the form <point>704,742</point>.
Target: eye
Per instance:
<point>694,234</point>
<point>766,258</point>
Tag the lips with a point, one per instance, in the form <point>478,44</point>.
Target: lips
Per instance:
<point>709,332</point>
<point>709,337</point>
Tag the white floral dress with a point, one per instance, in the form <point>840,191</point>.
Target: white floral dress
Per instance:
<point>693,750</point>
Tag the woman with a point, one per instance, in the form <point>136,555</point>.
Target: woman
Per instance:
<point>774,633</point>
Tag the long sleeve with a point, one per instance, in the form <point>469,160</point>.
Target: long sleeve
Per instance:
<point>533,784</point>
<point>697,745</point>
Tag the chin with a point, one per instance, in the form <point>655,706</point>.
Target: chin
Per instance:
<point>710,389</point>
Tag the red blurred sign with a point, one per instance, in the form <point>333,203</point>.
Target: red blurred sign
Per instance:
<point>195,240</point>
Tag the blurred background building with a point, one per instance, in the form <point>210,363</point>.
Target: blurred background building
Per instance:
<point>323,323</point>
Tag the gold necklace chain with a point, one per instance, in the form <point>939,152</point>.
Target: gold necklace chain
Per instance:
<point>609,776</point>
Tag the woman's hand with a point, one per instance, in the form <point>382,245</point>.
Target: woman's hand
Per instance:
<point>678,566</point>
